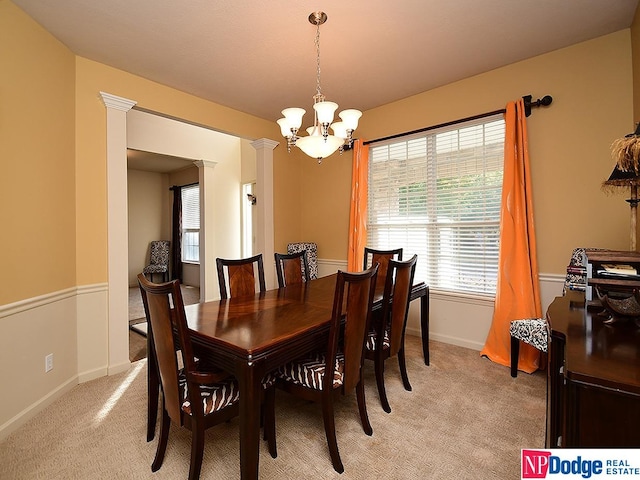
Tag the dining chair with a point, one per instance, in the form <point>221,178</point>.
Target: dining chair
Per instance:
<point>322,376</point>
<point>386,334</point>
<point>312,255</point>
<point>292,268</point>
<point>241,276</point>
<point>158,259</point>
<point>373,256</point>
<point>191,396</point>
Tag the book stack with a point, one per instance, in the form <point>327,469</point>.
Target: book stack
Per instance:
<point>576,278</point>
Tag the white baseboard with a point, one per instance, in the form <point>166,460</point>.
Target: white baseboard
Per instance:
<point>32,410</point>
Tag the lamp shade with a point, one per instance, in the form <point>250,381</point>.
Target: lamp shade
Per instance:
<point>284,127</point>
<point>620,178</point>
<point>317,146</point>
<point>350,118</point>
<point>294,116</point>
<point>325,111</point>
<point>339,129</point>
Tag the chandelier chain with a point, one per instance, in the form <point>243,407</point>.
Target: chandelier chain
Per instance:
<point>317,42</point>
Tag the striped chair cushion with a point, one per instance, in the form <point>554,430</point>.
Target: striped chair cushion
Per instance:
<point>371,341</point>
<point>533,331</point>
<point>214,397</point>
<point>309,372</point>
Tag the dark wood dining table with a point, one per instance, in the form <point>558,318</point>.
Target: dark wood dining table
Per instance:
<point>250,336</point>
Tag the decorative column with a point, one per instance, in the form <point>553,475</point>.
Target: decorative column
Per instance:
<point>117,232</point>
<point>208,276</point>
<point>264,193</point>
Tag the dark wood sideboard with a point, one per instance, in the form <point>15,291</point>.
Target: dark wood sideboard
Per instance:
<point>593,378</point>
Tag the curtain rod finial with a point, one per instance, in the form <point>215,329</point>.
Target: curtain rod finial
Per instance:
<point>544,101</point>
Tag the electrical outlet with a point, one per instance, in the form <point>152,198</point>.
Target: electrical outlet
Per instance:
<point>48,363</point>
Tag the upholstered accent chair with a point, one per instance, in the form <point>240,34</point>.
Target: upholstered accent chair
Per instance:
<point>535,331</point>
<point>292,268</point>
<point>373,256</point>
<point>240,276</point>
<point>312,255</point>
<point>324,375</point>
<point>196,396</point>
<point>158,259</point>
<point>386,335</point>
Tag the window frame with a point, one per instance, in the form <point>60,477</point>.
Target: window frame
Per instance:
<point>420,211</point>
<point>190,223</point>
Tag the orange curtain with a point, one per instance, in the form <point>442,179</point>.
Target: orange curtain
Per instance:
<point>358,211</point>
<point>517,293</point>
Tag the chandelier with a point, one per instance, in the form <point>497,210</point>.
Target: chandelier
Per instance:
<point>319,143</point>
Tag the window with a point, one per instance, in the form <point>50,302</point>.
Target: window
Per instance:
<point>437,194</point>
<point>191,224</point>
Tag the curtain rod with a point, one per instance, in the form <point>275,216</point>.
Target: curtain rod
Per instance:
<point>528,104</point>
<point>176,187</point>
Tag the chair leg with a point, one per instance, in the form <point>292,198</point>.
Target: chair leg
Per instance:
<point>403,369</point>
<point>362,407</point>
<point>382,393</point>
<point>165,425</point>
<point>515,352</point>
<point>197,451</point>
<point>270,420</point>
<point>330,431</point>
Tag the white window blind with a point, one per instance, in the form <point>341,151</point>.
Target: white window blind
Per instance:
<point>437,194</point>
<point>191,223</point>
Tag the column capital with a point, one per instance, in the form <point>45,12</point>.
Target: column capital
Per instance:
<point>205,163</point>
<point>118,103</point>
<point>264,143</point>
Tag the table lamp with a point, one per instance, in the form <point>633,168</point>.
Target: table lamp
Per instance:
<point>626,173</point>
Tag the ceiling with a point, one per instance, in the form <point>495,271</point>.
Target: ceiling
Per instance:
<point>258,56</point>
<point>155,162</point>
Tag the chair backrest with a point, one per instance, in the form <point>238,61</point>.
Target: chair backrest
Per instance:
<point>159,252</point>
<point>352,301</point>
<point>241,276</point>
<point>292,268</point>
<point>165,311</point>
<point>373,256</point>
<point>395,302</point>
<point>312,255</point>
<point>576,278</point>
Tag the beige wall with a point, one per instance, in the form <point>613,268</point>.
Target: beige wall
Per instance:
<point>147,202</point>
<point>635,45</point>
<point>38,159</point>
<point>591,84</point>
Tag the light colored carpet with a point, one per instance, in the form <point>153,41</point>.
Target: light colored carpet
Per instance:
<point>466,418</point>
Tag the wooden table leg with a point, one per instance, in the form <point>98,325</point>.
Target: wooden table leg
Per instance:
<point>250,389</point>
<point>424,325</point>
